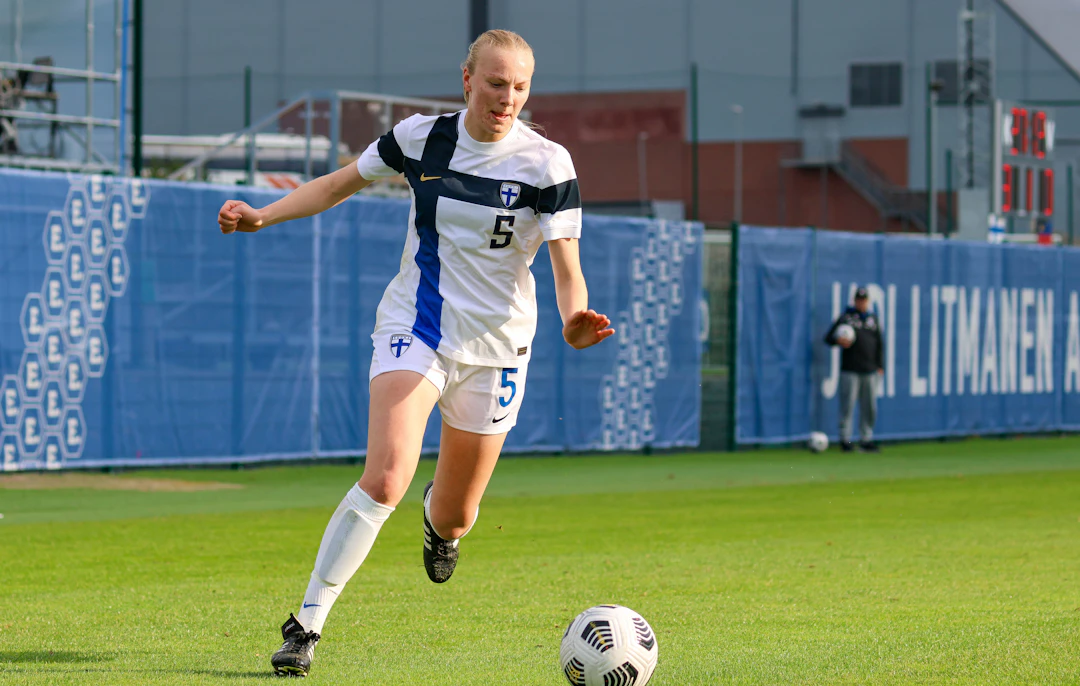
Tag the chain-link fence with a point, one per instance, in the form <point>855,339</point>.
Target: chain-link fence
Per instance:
<point>716,355</point>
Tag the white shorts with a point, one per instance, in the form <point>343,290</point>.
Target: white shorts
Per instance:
<point>473,398</point>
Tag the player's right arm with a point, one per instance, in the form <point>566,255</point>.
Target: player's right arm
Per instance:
<point>831,339</point>
<point>313,197</point>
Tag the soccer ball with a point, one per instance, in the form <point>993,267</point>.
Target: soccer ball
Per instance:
<point>818,442</point>
<point>608,645</point>
<point>845,331</point>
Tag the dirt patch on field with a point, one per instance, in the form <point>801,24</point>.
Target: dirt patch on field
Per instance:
<point>105,482</point>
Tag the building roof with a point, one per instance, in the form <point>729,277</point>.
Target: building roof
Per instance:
<point>1053,23</point>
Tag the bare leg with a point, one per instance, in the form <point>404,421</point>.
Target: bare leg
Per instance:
<point>401,402</point>
<point>466,463</point>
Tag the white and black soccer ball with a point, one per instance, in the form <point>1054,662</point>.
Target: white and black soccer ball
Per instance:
<point>608,645</point>
<point>845,332</point>
<point>818,442</point>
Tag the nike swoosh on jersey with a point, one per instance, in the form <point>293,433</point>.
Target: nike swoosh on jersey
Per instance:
<point>424,177</point>
<point>496,421</point>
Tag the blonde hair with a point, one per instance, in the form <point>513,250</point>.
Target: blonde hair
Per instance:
<point>495,38</point>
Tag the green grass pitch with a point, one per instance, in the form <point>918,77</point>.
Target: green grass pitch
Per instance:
<point>936,563</point>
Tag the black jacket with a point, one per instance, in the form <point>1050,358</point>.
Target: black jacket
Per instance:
<point>867,354</point>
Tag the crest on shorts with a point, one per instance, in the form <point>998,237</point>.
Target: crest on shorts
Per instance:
<point>399,343</point>
<point>509,192</point>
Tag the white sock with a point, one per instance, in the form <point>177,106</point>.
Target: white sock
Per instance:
<point>346,542</point>
<point>427,511</point>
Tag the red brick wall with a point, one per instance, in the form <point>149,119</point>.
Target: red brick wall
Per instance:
<point>601,132</point>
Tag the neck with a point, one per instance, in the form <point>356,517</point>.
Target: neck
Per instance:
<point>478,133</point>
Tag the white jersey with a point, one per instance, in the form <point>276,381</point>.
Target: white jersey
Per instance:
<point>479,213</point>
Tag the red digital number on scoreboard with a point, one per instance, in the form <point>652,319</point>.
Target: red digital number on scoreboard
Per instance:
<point>1046,193</point>
<point>1038,134</point>
<point>1019,131</point>
<point>1029,186</point>
<point>1008,188</point>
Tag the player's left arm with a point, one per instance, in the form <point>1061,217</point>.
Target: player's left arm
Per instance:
<point>582,327</point>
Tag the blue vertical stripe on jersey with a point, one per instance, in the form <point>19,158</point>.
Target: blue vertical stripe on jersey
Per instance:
<point>435,162</point>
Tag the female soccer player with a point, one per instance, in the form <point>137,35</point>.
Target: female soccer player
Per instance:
<point>455,326</point>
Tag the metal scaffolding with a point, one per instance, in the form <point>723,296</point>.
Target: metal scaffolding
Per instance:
<point>347,119</point>
<point>28,100</point>
<point>977,57</point>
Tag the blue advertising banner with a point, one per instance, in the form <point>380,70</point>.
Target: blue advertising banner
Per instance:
<point>979,338</point>
<point>133,332</point>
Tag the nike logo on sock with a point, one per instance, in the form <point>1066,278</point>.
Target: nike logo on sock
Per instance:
<point>307,605</point>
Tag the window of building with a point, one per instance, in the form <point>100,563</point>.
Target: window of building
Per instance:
<point>876,85</point>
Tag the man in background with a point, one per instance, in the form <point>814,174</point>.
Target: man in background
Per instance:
<point>860,367</point>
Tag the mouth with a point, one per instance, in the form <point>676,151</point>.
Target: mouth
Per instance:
<point>502,118</point>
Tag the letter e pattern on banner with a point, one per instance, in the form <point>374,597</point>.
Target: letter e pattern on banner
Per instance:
<point>642,334</point>
<point>42,424</point>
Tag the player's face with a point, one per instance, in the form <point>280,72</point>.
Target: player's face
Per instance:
<point>862,304</point>
<point>498,89</point>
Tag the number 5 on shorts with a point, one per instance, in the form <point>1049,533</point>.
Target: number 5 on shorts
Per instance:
<point>507,383</point>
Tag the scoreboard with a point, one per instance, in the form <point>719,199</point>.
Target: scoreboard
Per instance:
<point>1023,185</point>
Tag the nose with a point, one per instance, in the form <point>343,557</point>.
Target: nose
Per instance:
<point>506,95</point>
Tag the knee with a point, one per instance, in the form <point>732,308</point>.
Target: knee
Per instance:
<point>452,524</point>
<point>386,487</point>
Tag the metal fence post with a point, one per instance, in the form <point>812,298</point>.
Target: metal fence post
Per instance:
<point>309,114</point>
<point>137,89</point>
<point>733,336</point>
<point>316,325</point>
<point>694,175</point>
<point>239,344</point>
<point>356,378</point>
<point>335,133</point>
<point>1069,201</point>
<point>251,151</point>
<point>949,224</point>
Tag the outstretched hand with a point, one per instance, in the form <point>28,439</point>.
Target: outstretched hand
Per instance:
<point>237,215</point>
<point>586,328</point>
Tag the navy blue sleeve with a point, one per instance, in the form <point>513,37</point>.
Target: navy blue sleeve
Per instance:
<point>561,196</point>
<point>390,152</point>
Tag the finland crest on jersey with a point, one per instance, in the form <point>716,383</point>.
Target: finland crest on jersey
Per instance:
<point>479,214</point>
<point>399,343</point>
<point>509,192</point>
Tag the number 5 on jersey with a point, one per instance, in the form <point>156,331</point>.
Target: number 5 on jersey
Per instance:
<point>502,236</point>
<point>508,383</point>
